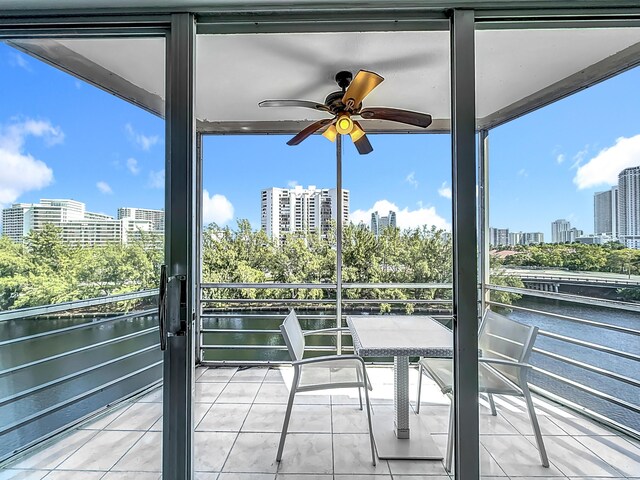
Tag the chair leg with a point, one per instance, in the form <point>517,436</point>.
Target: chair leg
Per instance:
<point>419,389</point>
<point>359,388</point>
<point>449,455</point>
<point>536,427</point>
<point>492,404</point>
<point>366,396</point>
<point>287,415</point>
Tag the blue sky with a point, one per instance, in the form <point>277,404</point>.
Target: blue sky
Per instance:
<point>60,137</point>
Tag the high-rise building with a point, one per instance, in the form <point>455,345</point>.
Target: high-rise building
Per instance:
<point>529,238</point>
<point>629,207</point>
<point>498,236</point>
<point>559,230</point>
<point>518,238</point>
<point>76,225</point>
<point>605,212</point>
<point>156,217</point>
<point>379,224</point>
<point>312,209</point>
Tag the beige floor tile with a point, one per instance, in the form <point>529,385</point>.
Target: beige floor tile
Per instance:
<point>573,459</point>
<point>516,456</point>
<point>349,419</point>
<point>416,477</point>
<point>222,417</point>
<point>307,453</point>
<point>352,455</point>
<point>521,422</point>
<point>140,416</point>
<point>246,476</point>
<point>264,418</point>
<point>249,375</point>
<point>11,474</point>
<point>237,392</point>
<point>277,375</point>
<point>144,456</point>
<point>217,374</point>
<point>616,451</point>
<point>417,467</point>
<point>205,476</point>
<point>253,452</point>
<point>107,418</point>
<point>208,392</point>
<point>367,477</point>
<point>102,451</point>
<point>211,450</point>
<point>55,454</point>
<point>154,396</point>
<point>297,476</point>
<point>131,476</point>
<point>74,475</point>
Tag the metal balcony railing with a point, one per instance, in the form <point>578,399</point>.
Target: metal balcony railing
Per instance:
<point>60,364</point>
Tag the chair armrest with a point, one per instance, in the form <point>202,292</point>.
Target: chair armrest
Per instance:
<point>508,363</point>
<point>324,330</point>
<point>327,358</point>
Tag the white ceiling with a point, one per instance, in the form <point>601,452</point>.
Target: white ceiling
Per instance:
<point>235,72</point>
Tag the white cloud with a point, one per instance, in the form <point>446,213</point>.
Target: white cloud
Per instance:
<point>603,169</point>
<point>78,84</point>
<point>18,59</point>
<point>445,191</point>
<point>216,208</point>
<point>132,165</point>
<point>523,173</point>
<point>411,179</point>
<point>143,141</point>
<point>21,172</point>
<point>292,183</point>
<point>560,158</point>
<point>104,188</point>
<point>156,179</point>
<point>579,157</point>
<point>405,218</point>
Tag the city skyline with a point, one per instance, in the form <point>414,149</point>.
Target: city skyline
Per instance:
<point>544,165</point>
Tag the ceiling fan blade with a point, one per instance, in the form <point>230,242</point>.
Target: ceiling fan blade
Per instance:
<point>310,130</point>
<point>360,139</point>
<point>396,115</point>
<point>294,103</point>
<point>361,86</point>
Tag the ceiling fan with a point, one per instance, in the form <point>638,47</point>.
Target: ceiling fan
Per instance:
<point>346,104</point>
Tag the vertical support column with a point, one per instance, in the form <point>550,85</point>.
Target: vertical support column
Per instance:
<point>339,243</point>
<point>401,396</point>
<point>483,196</point>
<point>465,260</point>
<point>198,253</point>
<point>177,436</point>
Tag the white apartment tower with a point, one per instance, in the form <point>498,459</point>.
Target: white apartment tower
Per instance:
<point>629,207</point>
<point>605,213</point>
<point>562,232</point>
<point>312,209</point>
<point>379,224</point>
<point>156,217</point>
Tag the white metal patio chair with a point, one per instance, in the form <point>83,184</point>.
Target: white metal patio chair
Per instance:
<point>321,373</point>
<point>505,346</point>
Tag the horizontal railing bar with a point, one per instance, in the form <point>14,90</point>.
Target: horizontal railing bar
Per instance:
<point>314,348</point>
<point>269,300</point>
<point>583,321</point>
<point>37,388</point>
<point>417,286</point>
<point>585,411</point>
<point>591,391</point>
<point>141,313</point>
<point>60,405</point>
<point>327,286</point>
<point>593,346</point>
<point>395,301</point>
<point>265,316</point>
<point>78,350</point>
<point>73,305</point>
<point>565,297</point>
<point>258,330</point>
<point>586,366</point>
<point>319,286</point>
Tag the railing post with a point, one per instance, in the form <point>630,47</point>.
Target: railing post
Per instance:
<point>483,197</point>
<point>339,244</point>
<point>465,255</point>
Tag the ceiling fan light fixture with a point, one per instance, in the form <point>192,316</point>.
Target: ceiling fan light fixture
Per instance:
<point>356,134</point>
<point>330,133</point>
<point>344,125</point>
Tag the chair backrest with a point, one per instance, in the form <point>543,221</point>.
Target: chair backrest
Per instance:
<point>293,336</point>
<point>506,339</point>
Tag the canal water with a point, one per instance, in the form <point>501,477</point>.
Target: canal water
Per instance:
<point>22,421</point>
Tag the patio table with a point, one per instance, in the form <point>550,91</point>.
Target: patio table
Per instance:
<point>401,336</point>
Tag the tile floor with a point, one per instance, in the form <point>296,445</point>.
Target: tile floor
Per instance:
<point>238,417</point>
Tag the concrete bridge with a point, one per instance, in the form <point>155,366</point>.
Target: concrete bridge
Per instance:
<point>550,280</point>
